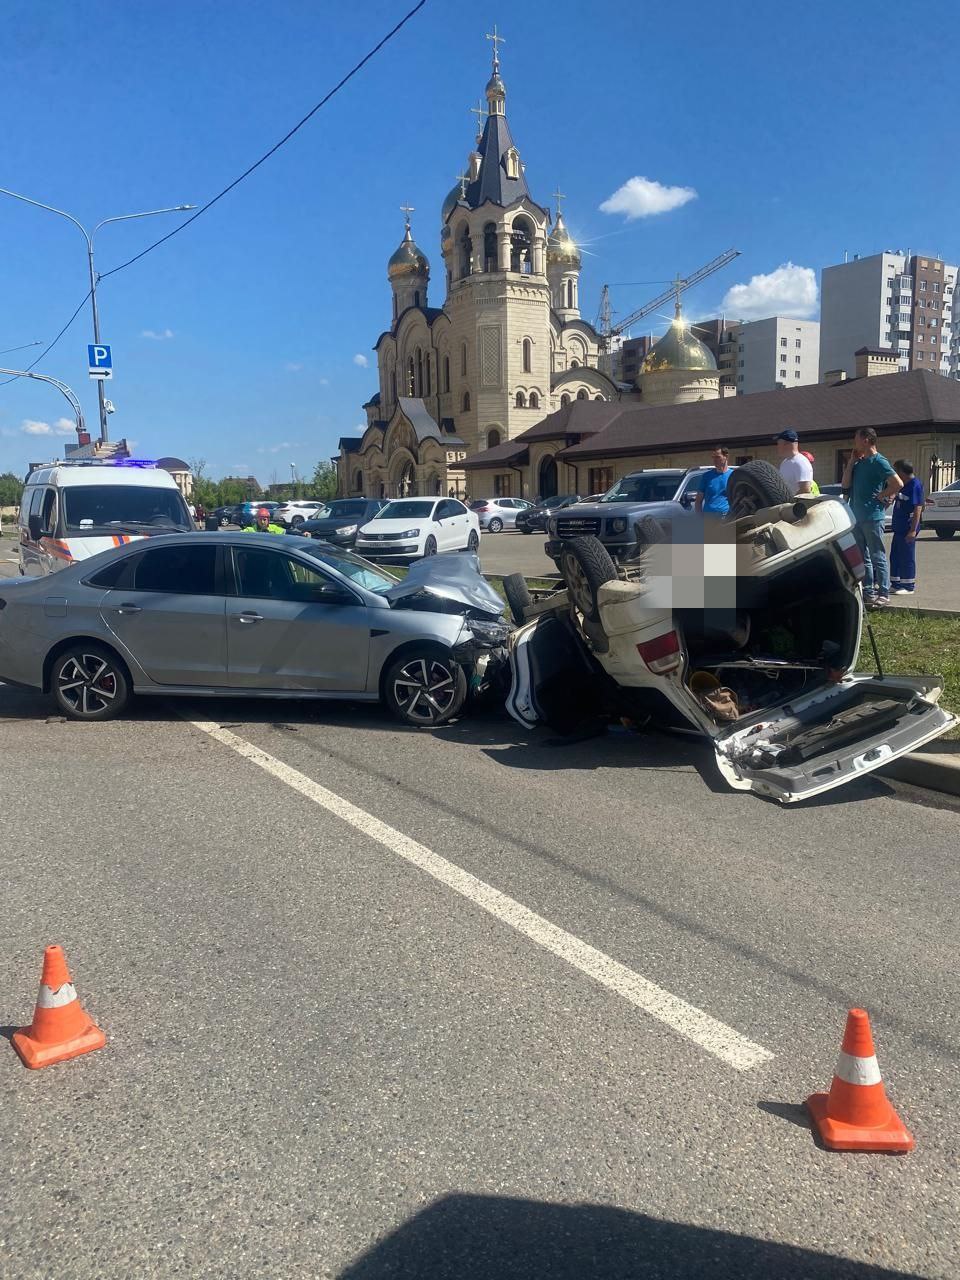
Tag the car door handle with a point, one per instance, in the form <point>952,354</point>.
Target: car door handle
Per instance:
<point>129,608</point>
<point>248,616</point>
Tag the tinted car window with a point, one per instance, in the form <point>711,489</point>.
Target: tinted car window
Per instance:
<point>182,571</point>
<point>643,488</point>
<point>120,504</point>
<point>278,577</point>
<point>348,507</point>
<point>109,576</point>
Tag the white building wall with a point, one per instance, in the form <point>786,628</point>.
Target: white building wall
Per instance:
<point>856,306</point>
<point>779,351</point>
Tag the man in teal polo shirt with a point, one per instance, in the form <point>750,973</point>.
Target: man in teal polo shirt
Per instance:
<point>711,499</point>
<point>872,484</point>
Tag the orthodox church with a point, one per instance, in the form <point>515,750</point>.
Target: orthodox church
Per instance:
<point>507,347</point>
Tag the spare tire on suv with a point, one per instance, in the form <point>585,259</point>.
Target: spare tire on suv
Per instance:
<point>755,485</point>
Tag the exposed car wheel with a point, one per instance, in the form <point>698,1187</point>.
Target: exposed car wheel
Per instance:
<point>88,682</point>
<point>945,533</point>
<point>224,522</point>
<point>526,530</point>
<point>518,596</point>
<point>430,546</point>
<point>426,688</point>
<point>586,566</point>
<point>296,522</point>
<point>495,525</point>
<point>753,486</point>
<point>473,542</point>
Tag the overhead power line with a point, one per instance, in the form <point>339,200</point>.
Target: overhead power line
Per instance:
<point>276,147</point>
<point>50,345</point>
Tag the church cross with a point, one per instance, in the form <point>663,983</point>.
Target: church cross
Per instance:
<point>463,179</point>
<point>678,284</point>
<point>407,209</point>
<point>558,196</point>
<point>479,112</point>
<point>497,40</point>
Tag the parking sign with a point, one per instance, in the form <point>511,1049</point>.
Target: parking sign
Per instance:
<point>99,360</point>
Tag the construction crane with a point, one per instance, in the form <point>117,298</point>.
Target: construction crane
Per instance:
<point>607,329</point>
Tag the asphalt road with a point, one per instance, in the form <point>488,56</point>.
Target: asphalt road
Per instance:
<point>336,1049</point>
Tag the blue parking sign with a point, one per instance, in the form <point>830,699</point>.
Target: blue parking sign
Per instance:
<point>99,360</point>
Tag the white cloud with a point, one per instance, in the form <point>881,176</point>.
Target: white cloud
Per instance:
<point>292,367</point>
<point>158,335</point>
<point>788,291</point>
<point>323,382</point>
<point>643,197</point>
<point>62,427</point>
<point>361,360</point>
<point>281,447</point>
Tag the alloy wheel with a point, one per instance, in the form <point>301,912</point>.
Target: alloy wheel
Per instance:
<point>424,689</point>
<point>87,684</point>
<point>578,583</point>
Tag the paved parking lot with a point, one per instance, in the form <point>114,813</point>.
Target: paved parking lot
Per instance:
<point>390,1003</point>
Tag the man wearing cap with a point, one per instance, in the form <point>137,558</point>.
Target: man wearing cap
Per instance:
<point>794,468</point>
<point>263,524</point>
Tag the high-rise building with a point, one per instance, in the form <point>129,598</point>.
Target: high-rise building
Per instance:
<point>762,355</point>
<point>897,301</point>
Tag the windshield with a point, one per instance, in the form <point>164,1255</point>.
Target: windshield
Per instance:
<point>356,507</point>
<point>644,488</point>
<point>353,567</point>
<point>406,508</point>
<point>108,505</point>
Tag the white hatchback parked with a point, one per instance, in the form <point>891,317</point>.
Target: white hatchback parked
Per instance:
<point>408,528</point>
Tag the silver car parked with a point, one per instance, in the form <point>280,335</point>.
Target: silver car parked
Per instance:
<point>497,514</point>
<point>250,615</point>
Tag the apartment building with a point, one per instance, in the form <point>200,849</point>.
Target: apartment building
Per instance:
<point>892,300</point>
<point>764,355</point>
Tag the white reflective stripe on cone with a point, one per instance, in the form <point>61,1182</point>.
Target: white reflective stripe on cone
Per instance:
<point>857,1070</point>
<point>48,999</point>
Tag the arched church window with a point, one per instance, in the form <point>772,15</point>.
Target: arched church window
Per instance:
<point>490,262</point>
<point>416,298</point>
<point>393,386</point>
<point>358,482</point>
<point>464,251</point>
<point>581,394</point>
<point>419,390</point>
<point>493,438</point>
<point>512,163</point>
<point>564,399</point>
<point>428,384</point>
<point>534,400</point>
<point>466,402</point>
<point>521,401</point>
<point>446,373</point>
<point>574,364</point>
<point>527,355</point>
<point>411,378</point>
<point>598,397</point>
<point>570,294</point>
<point>521,244</point>
<point>463,360</point>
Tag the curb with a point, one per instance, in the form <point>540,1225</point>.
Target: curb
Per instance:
<point>933,771</point>
<point>919,612</point>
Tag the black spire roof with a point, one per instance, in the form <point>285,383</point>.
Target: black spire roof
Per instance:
<point>492,182</point>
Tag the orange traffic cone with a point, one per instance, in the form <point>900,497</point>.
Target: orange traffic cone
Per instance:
<point>856,1114</point>
<point>60,1028</point>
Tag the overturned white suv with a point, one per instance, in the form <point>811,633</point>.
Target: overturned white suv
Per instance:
<point>746,632</point>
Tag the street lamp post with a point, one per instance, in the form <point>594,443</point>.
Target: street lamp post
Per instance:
<point>293,475</point>
<point>88,236</point>
<point>62,387</point>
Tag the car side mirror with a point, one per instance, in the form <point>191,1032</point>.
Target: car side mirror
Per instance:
<point>688,500</point>
<point>331,593</point>
<point>33,524</point>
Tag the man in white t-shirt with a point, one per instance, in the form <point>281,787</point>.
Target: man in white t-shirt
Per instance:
<point>794,467</point>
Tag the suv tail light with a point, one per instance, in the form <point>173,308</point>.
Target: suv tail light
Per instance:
<point>852,555</point>
<point>663,654</point>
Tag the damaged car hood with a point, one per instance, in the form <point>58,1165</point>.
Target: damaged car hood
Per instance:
<point>453,576</point>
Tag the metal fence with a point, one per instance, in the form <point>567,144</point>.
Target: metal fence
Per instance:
<point>942,474</point>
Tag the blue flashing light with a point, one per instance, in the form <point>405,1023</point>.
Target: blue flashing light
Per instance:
<point>132,462</point>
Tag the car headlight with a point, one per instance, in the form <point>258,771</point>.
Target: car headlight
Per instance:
<point>619,525</point>
<point>348,528</point>
<point>492,632</point>
<point>409,533</point>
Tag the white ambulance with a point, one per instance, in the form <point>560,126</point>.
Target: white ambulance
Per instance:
<point>70,511</point>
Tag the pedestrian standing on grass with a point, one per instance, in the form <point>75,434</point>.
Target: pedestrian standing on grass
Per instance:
<point>872,484</point>
<point>711,497</point>
<point>907,514</point>
<point>795,470</point>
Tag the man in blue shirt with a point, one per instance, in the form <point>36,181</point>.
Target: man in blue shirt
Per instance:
<point>872,484</point>
<point>907,512</point>
<point>711,499</point>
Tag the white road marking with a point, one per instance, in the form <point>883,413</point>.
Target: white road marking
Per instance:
<point>709,1033</point>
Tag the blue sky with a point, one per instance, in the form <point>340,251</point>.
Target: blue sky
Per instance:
<point>804,131</point>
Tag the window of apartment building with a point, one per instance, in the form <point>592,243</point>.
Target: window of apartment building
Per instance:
<point>919,337</point>
<point>923,286</point>
<point>783,342</point>
<point>919,355</point>
<point>936,286</point>
<point>740,348</point>
<point>783,359</point>
<point>740,364</point>
<point>796,373</point>
<point>796,342</point>
<point>796,359</point>
<point>600,479</point>
<point>740,375</point>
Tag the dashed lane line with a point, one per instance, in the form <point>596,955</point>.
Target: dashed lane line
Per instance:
<point>709,1033</point>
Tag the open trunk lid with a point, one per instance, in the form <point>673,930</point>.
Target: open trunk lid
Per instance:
<point>822,740</point>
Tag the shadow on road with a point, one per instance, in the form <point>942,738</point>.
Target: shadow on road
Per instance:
<point>464,1237</point>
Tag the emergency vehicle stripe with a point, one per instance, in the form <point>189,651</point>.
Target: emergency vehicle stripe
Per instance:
<point>48,999</point>
<point>857,1070</point>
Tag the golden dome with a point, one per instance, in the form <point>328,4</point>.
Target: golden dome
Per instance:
<point>561,247</point>
<point>454,196</point>
<point>679,348</point>
<point>408,260</point>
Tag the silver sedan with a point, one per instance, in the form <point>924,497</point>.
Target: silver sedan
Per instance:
<point>250,615</point>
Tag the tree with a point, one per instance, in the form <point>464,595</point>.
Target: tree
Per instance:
<point>324,482</point>
<point>205,491</point>
<point>11,487</point>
